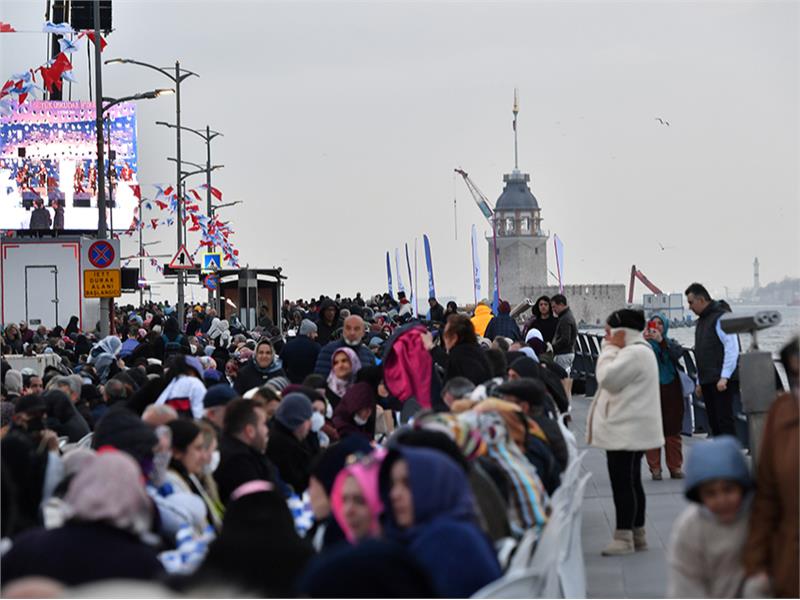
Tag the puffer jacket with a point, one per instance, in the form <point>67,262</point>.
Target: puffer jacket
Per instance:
<point>483,314</point>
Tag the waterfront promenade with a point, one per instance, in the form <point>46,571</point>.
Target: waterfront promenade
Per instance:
<point>640,575</point>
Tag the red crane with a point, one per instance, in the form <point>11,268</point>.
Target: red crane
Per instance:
<point>636,274</point>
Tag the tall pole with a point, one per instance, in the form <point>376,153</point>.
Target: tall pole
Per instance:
<point>208,197</point>
<point>102,228</point>
<point>141,257</point>
<point>515,110</point>
<point>179,211</point>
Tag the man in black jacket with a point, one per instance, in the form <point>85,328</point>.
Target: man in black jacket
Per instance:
<point>437,310</point>
<point>299,355</point>
<point>243,447</point>
<point>564,339</point>
<point>290,447</point>
<point>716,354</point>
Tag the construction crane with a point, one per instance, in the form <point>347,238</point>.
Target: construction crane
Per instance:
<point>488,213</point>
<point>636,274</point>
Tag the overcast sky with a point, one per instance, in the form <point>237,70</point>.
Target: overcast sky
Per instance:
<point>343,123</point>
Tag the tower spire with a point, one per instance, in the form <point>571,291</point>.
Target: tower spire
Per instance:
<point>515,110</point>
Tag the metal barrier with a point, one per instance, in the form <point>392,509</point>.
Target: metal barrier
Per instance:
<point>587,349</point>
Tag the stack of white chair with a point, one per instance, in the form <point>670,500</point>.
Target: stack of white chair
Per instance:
<point>550,564</point>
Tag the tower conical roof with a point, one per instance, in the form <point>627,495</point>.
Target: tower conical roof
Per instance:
<point>516,194</point>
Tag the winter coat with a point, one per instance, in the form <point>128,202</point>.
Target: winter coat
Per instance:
<point>251,375</point>
<point>325,331</point>
<point>239,463</point>
<point>437,313</point>
<point>772,542</point>
<point>468,360</point>
<point>323,366</point>
<point>566,333</point>
<point>546,326</point>
<point>625,413</point>
<point>40,219</point>
<point>705,556</point>
<point>445,538</point>
<point>503,325</point>
<point>483,314</point>
<point>360,395</point>
<point>80,553</point>
<point>299,357</point>
<point>291,456</point>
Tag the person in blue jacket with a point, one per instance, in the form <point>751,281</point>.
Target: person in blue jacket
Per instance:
<point>431,511</point>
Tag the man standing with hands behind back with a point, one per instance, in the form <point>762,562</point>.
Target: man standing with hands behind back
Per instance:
<point>716,355</point>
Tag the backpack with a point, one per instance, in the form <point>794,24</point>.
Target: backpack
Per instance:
<point>172,346</point>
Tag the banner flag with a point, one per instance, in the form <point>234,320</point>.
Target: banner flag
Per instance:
<point>389,274</point>
<point>559,262</point>
<point>410,277</point>
<point>429,265</point>
<point>415,301</point>
<point>476,267</point>
<point>398,272</point>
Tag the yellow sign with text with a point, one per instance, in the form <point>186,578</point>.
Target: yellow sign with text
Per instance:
<point>102,284</point>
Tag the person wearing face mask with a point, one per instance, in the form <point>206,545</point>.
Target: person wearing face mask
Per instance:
<point>352,337</point>
<point>264,366</point>
<point>187,467</point>
<point>354,415</point>
<point>291,448</point>
<point>345,366</point>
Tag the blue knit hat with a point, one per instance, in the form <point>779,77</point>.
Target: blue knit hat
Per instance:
<point>219,395</point>
<point>718,458</point>
<point>294,410</point>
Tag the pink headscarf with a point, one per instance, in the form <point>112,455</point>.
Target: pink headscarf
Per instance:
<point>365,473</point>
<point>340,386</point>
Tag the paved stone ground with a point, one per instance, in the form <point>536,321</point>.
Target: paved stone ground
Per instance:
<point>640,575</point>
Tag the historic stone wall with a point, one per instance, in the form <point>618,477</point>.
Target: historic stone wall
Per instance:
<point>523,263</point>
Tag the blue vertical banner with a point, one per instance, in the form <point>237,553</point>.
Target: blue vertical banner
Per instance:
<point>559,262</point>
<point>476,267</point>
<point>429,265</point>
<point>389,274</point>
<point>410,277</point>
<point>398,272</point>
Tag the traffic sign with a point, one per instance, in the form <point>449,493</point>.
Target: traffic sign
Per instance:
<point>182,259</point>
<point>212,261</point>
<point>99,254</point>
<point>102,284</point>
<point>211,281</point>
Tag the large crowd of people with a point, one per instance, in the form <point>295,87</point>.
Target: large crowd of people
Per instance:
<point>351,449</point>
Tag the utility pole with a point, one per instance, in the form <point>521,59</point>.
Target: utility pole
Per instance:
<point>106,304</point>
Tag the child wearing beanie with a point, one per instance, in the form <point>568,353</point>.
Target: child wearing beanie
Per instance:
<point>705,552</point>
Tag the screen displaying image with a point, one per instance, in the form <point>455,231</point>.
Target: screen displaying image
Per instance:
<point>48,166</point>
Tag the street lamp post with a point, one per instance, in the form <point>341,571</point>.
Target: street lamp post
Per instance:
<point>177,78</point>
<point>207,137</point>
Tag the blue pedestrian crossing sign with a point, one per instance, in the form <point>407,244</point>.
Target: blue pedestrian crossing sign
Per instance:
<point>212,262</point>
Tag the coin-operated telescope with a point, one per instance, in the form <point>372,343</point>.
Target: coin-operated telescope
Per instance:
<point>757,381</point>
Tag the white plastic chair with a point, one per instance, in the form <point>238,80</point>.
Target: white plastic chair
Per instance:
<point>569,438</point>
<point>571,568</point>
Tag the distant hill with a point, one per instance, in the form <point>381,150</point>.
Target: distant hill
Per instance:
<point>777,292</point>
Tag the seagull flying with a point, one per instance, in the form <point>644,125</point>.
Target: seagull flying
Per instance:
<point>662,121</point>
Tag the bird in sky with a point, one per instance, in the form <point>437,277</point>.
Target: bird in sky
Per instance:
<point>663,247</point>
<point>662,121</point>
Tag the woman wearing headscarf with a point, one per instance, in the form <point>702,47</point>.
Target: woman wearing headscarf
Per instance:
<point>263,366</point>
<point>104,357</point>
<point>355,499</point>
<point>344,366</point>
<point>13,340</point>
<point>354,415</point>
<point>108,510</point>
<point>431,511</point>
<point>186,467</point>
<point>625,420</point>
<point>668,352</point>
<point>72,326</point>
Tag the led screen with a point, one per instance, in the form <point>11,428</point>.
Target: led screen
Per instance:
<point>48,166</point>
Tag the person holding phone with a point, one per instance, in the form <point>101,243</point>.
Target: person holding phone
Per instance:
<point>667,352</point>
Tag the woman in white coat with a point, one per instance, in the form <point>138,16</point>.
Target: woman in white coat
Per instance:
<point>625,420</point>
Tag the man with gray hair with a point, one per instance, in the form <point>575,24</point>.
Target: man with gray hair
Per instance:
<point>69,384</point>
<point>299,355</point>
<point>455,389</point>
<point>352,337</point>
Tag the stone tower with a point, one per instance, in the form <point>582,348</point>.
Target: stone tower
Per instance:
<point>521,243</point>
